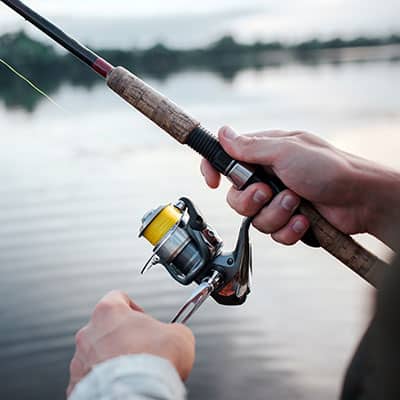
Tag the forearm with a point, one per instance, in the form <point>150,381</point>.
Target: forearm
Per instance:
<point>134,377</point>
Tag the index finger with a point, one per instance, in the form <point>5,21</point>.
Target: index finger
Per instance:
<point>119,297</point>
<point>210,174</point>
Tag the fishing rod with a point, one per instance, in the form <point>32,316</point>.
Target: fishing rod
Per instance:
<point>188,130</point>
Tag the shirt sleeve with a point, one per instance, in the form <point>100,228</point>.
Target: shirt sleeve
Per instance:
<point>133,377</point>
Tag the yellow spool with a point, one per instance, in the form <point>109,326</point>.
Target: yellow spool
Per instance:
<point>161,224</point>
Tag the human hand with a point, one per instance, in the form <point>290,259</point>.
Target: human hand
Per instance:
<point>119,327</point>
<point>341,186</point>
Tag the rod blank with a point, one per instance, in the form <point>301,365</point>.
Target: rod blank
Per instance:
<point>87,56</point>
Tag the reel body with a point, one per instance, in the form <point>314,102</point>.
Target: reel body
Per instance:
<point>191,251</point>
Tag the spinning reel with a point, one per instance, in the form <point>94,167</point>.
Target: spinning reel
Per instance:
<point>191,251</point>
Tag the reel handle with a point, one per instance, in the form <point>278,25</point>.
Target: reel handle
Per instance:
<point>187,130</point>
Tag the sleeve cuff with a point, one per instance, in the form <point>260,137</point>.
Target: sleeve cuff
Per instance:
<point>140,376</point>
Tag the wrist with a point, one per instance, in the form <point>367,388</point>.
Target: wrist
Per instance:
<point>380,199</point>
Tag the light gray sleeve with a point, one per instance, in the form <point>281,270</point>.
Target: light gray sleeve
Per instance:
<point>134,377</point>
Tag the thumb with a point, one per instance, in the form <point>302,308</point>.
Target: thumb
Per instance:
<point>254,149</point>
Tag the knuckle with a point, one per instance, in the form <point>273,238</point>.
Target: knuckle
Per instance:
<point>103,309</point>
<point>223,129</point>
<point>232,200</point>
<point>74,366</point>
<point>284,239</point>
<point>278,239</point>
<point>243,202</point>
<point>262,227</point>
<point>245,143</point>
<point>180,330</point>
<point>109,303</point>
<point>241,206</point>
<point>299,133</point>
<point>248,141</point>
<point>267,221</point>
<point>187,333</point>
<point>244,208</point>
<point>115,294</point>
<point>302,137</point>
<point>80,339</point>
<point>290,143</point>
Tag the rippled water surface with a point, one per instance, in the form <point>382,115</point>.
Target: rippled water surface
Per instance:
<point>75,184</point>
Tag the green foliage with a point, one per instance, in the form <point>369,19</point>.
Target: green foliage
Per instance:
<point>49,68</point>
<point>19,49</point>
<point>226,44</point>
<point>338,43</point>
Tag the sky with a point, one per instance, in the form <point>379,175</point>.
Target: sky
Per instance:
<point>127,23</point>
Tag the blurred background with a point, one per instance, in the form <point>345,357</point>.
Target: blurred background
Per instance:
<point>76,180</point>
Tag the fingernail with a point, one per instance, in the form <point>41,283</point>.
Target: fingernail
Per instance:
<point>260,197</point>
<point>299,227</point>
<point>229,133</point>
<point>289,203</point>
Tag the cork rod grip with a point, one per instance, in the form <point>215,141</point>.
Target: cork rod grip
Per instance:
<point>162,111</point>
<point>179,125</point>
<point>344,247</point>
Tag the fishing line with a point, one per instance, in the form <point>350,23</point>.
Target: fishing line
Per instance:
<point>31,84</point>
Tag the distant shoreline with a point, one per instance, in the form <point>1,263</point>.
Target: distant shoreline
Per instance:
<point>45,65</point>
<point>20,44</point>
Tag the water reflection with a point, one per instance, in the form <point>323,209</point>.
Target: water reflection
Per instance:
<point>16,94</point>
<point>74,187</point>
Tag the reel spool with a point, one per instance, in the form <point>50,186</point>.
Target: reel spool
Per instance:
<point>191,251</point>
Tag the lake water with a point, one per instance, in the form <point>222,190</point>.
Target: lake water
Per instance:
<point>75,184</point>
